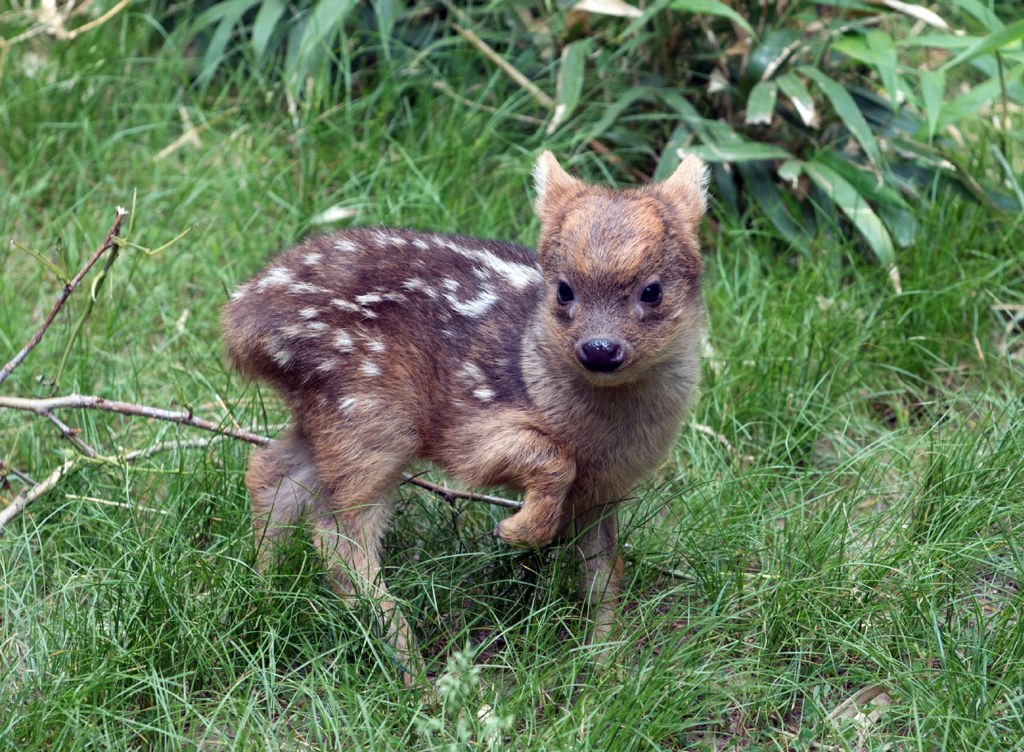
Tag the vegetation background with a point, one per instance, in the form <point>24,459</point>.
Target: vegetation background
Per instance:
<point>831,559</point>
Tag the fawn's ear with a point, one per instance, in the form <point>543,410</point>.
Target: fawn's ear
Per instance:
<point>687,189</point>
<point>552,184</point>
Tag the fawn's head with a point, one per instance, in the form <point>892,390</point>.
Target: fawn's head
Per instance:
<point>621,269</point>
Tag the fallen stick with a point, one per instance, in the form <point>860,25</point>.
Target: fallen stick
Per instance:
<point>65,293</point>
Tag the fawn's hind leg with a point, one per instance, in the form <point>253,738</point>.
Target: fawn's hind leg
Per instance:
<point>360,470</point>
<point>282,484</point>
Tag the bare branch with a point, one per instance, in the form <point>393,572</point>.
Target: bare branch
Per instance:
<point>29,495</point>
<point>448,494</point>
<point>69,433</point>
<point>92,402</point>
<point>65,293</point>
<point>26,497</point>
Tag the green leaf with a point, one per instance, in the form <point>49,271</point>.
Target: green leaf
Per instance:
<point>847,110</point>
<point>933,89</point>
<point>801,98</point>
<point>884,51</point>
<point>311,39</point>
<point>767,57</point>
<point>858,211</point>
<point>937,41</point>
<point>866,182</point>
<point>227,15</point>
<point>968,104</point>
<point>265,24</point>
<point>614,111</point>
<point>569,84</point>
<point>765,193</point>
<point>669,159</point>
<point>712,8</point>
<point>981,12</point>
<point>791,170</point>
<point>990,43</point>
<point>743,151</point>
<point>761,103</point>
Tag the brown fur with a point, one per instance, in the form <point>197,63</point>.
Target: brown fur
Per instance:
<point>392,346</point>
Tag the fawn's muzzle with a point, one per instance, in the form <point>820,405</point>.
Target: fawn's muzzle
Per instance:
<point>601,355</point>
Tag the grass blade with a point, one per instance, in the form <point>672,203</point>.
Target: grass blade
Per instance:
<point>569,84</point>
<point>933,87</point>
<point>981,12</point>
<point>740,151</point>
<point>712,8</point>
<point>263,27</point>
<point>990,43</point>
<point>847,111</point>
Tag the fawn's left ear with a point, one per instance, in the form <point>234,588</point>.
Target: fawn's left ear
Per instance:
<point>687,189</point>
<point>552,184</point>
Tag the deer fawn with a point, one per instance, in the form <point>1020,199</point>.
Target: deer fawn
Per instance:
<point>565,374</point>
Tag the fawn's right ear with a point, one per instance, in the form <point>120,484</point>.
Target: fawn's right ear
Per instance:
<point>553,186</point>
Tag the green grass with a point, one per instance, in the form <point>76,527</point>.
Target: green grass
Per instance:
<point>865,529</point>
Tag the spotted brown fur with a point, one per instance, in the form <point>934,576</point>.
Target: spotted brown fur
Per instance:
<point>392,346</point>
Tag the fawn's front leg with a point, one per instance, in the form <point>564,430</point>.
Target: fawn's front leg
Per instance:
<point>508,450</point>
<point>601,584</point>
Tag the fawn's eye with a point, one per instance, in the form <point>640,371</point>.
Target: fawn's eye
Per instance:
<point>651,294</point>
<point>564,293</point>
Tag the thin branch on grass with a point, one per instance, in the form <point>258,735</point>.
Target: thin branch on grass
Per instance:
<point>26,497</point>
<point>93,402</point>
<point>449,495</point>
<point>29,495</point>
<point>6,470</point>
<point>108,243</point>
<point>69,433</point>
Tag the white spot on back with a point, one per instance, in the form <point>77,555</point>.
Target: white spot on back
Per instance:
<point>375,346</point>
<point>343,341</point>
<point>309,312</point>
<point>345,305</point>
<point>470,373</point>
<point>518,275</point>
<point>345,246</point>
<point>298,288</point>
<point>421,244</point>
<point>369,369</point>
<point>282,357</point>
<point>346,405</point>
<point>240,292</point>
<point>474,307</point>
<point>386,237</point>
<point>369,298</point>
<point>483,393</point>
<point>276,277</point>
<point>316,326</point>
<point>451,285</point>
<point>312,259</point>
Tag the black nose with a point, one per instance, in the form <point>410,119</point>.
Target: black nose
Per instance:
<point>601,355</point>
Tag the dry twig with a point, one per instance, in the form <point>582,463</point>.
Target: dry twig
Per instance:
<point>65,293</point>
<point>92,402</point>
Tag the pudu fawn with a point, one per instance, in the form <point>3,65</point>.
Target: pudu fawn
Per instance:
<point>564,374</point>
